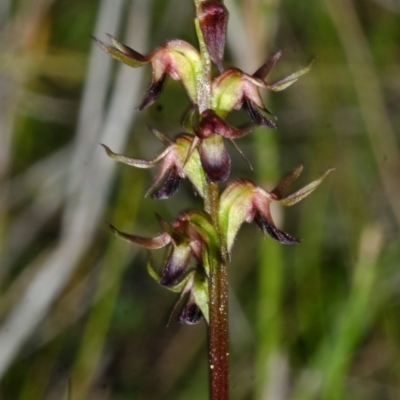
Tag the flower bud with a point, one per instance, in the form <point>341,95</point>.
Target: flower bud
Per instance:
<point>213,19</point>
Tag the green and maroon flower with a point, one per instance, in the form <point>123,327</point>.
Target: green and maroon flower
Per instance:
<point>243,201</point>
<point>177,58</point>
<point>233,90</point>
<point>210,130</point>
<point>192,245</point>
<point>175,164</point>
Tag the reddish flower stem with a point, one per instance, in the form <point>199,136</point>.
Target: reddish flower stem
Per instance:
<point>218,350</point>
<point>218,340</point>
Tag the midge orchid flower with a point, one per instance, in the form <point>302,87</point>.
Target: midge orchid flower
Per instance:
<point>192,237</point>
<point>175,165</point>
<point>176,58</point>
<point>243,201</point>
<point>199,243</point>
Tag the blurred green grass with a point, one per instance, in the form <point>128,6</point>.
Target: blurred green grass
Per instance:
<point>315,321</point>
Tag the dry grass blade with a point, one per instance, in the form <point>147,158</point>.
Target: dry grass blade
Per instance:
<point>86,210</point>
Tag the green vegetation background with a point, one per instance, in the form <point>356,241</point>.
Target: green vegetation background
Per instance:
<point>81,319</point>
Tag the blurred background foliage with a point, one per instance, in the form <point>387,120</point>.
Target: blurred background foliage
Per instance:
<point>81,319</point>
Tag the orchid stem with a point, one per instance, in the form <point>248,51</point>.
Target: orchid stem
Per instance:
<point>218,344</point>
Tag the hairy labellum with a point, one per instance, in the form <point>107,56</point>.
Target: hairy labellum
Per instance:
<point>176,265</point>
<point>267,226</point>
<point>169,187</point>
<point>215,159</point>
<point>191,314</point>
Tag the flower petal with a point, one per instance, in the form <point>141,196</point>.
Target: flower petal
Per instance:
<point>153,93</point>
<point>156,242</point>
<point>174,230</point>
<point>255,114</point>
<point>265,69</point>
<point>285,82</point>
<point>163,138</point>
<point>236,207</point>
<point>190,120</point>
<point>190,159</point>
<point>183,286</point>
<point>227,92</point>
<point>303,192</point>
<point>150,268</point>
<point>127,50</point>
<point>176,265</point>
<point>211,124</point>
<point>215,159</point>
<point>169,186</point>
<point>265,223</point>
<point>122,53</point>
<point>181,61</point>
<point>191,313</point>
<point>135,162</point>
<point>213,19</point>
<point>288,180</point>
<point>200,293</point>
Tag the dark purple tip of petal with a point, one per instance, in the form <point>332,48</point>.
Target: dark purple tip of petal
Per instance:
<point>169,186</point>
<point>255,114</point>
<point>171,277</point>
<point>273,231</point>
<point>213,18</point>
<point>176,265</point>
<point>216,162</point>
<point>153,93</point>
<point>191,314</point>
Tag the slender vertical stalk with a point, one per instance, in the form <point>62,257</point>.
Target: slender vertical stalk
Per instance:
<point>218,345</point>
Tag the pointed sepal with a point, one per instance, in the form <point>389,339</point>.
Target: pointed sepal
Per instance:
<point>266,68</point>
<point>290,79</point>
<point>300,194</point>
<point>122,52</point>
<point>156,242</point>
